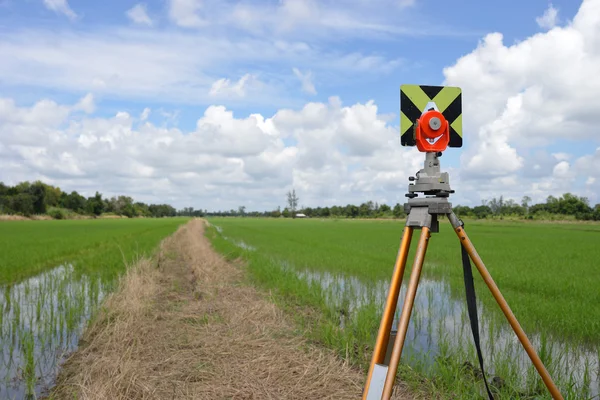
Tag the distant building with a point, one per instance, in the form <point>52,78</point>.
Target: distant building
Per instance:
<point>300,215</point>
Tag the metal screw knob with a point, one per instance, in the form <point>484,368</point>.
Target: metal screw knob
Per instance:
<point>435,123</point>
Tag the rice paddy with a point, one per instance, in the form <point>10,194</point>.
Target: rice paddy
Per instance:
<point>548,273</point>
<point>53,277</point>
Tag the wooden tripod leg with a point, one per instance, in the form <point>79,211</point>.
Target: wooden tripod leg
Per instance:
<point>406,311</point>
<point>383,335</point>
<point>537,362</point>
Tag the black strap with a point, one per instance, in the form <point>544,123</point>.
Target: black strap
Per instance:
<point>472,307</point>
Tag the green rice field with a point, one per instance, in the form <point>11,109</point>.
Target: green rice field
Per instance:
<point>53,277</point>
<point>548,273</point>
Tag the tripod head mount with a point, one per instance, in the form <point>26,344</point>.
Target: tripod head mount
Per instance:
<point>430,180</point>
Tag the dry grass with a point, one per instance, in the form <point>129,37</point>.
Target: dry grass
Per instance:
<point>6,217</point>
<point>188,328</point>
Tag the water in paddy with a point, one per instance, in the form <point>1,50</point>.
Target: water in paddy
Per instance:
<point>41,321</point>
<point>439,325</point>
<point>439,331</point>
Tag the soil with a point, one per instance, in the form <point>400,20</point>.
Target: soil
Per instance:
<point>185,325</point>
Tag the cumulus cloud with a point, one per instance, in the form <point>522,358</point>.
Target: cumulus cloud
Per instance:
<point>549,19</point>
<point>534,93</point>
<point>139,15</point>
<point>306,80</point>
<point>60,7</point>
<point>225,159</point>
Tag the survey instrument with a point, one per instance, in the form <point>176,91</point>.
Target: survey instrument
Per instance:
<point>431,120</point>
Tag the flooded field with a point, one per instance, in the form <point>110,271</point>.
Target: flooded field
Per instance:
<point>42,319</point>
<point>44,307</point>
<point>440,330</point>
<point>327,266</point>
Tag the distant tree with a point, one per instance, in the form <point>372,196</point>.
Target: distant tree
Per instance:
<point>22,203</point>
<point>52,195</point>
<point>95,205</point>
<point>242,210</point>
<point>141,209</point>
<point>482,211</point>
<point>75,202</point>
<point>385,209</point>
<point>398,211</point>
<point>463,211</point>
<point>292,200</point>
<point>276,213</point>
<point>38,194</point>
<point>351,211</point>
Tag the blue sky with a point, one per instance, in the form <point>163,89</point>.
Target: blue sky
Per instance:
<point>324,78</point>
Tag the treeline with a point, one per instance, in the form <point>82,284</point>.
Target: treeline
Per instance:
<point>564,207</point>
<point>567,205</point>
<point>365,210</point>
<point>38,198</point>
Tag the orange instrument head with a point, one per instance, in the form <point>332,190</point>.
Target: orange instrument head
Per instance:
<point>432,132</point>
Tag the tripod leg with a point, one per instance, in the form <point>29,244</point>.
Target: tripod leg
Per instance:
<point>406,311</point>
<point>537,362</point>
<point>383,335</point>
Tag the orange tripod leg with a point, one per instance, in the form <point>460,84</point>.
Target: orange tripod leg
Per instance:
<point>406,311</point>
<point>537,362</point>
<point>383,335</point>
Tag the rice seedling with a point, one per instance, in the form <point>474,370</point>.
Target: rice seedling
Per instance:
<point>346,265</point>
<point>53,277</point>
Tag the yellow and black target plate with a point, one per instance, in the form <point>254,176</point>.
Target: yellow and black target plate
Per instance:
<point>416,99</point>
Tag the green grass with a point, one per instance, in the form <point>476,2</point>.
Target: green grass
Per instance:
<point>73,265</point>
<point>29,247</point>
<point>547,272</point>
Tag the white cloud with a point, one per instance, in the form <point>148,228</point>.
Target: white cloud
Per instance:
<point>180,67</point>
<point>225,88</point>
<point>145,114</point>
<point>549,19</point>
<point>139,15</point>
<point>185,13</point>
<point>306,80</point>
<point>325,20</point>
<point>534,93</point>
<point>86,104</point>
<point>61,7</point>
<point>224,160</point>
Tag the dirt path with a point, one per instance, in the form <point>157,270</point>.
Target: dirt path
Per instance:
<point>191,329</point>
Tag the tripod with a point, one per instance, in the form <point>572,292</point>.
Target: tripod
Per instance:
<point>423,214</point>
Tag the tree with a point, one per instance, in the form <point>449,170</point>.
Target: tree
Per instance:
<point>242,210</point>
<point>482,211</point>
<point>38,195</point>
<point>53,195</point>
<point>292,202</point>
<point>525,203</point>
<point>74,201</point>
<point>23,203</point>
<point>95,205</point>
<point>276,213</point>
<point>385,209</point>
<point>398,211</point>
